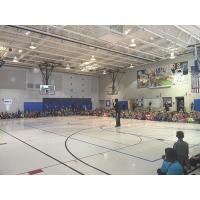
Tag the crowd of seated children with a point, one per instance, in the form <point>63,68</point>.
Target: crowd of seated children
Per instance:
<point>6,115</point>
<point>58,112</point>
<point>191,117</point>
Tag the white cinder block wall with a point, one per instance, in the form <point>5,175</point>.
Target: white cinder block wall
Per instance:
<point>128,85</point>
<point>13,85</point>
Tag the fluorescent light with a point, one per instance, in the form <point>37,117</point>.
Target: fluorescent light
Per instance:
<point>15,59</point>
<point>27,33</point>
<point>131,66</point>
<point>67,67</point>
<point>172,56</point>
<point>93,58</point>
<point>133,44</point>
<point>32,46</point>
<point>104,72</point>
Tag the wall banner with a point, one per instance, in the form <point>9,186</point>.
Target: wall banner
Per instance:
<point>163,76</point>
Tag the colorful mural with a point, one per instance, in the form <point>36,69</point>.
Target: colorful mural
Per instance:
<point>162,76</point>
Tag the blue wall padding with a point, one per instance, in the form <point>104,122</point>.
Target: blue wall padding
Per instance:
<point>197,104</point>
<point>33,106</point>
<point>123,105</point>
<point>58,103</point>
<point>73,103</point>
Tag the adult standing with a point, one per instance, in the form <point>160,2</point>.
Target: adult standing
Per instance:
<point>117,112</point>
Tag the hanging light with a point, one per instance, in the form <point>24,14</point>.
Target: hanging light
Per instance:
<point>133,44</point>
<point>27,33</point>
<point>92,58</point>
<point>131,66</point>
<point>20,51</point>
<point>172,56</point>
<point>32,46</point>
<point>67,67</point>
<point>15,59</point>
<point>104,72</point>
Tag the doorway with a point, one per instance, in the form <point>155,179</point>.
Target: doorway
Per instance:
<point>180,104</point>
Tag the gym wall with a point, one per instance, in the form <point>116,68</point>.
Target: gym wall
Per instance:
<point>22,85</point>
<point>128,85</point>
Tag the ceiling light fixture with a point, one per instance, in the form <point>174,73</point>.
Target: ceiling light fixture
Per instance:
<point>131,66</point>
<point>172,56</point>
<point>104,72</point>
<point>20,51</point>
<point>133,44</point>
<point>67,67</point>
<point>27,33</point>
<point>32,46</point>
<point>92,58</point>
<point>15,59</point>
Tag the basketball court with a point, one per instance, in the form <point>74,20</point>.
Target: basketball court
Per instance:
<point>58,84</point>
<point>88,145</point>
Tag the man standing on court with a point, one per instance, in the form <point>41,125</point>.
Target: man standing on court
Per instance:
<point>117,111</point>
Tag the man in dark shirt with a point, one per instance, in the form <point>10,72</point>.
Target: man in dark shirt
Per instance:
<point>117,111</point>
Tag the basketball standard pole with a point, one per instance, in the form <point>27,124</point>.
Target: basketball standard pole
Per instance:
<point>46,70</point>
<point>114,75</point>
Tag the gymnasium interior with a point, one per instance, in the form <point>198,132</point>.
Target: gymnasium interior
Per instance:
<point>58,85</point>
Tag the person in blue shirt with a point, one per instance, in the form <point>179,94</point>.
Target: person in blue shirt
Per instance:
<point>170,165</point>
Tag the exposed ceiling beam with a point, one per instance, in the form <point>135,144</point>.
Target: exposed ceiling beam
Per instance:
<point>76,41</point>
<point>166,36</point>
<point>128,59</point>
<point>187,32</point>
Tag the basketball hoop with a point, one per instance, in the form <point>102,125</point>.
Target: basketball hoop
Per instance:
<point>47,90</point>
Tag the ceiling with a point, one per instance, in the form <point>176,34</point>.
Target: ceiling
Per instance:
<point>94,49</point>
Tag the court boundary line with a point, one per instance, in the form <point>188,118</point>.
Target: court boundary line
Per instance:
<point>42,152</point>
<point>114,150</point>
<point>101,127</point>
<point>69,150</point>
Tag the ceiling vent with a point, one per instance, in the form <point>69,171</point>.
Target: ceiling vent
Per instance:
<point>114,34</point>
